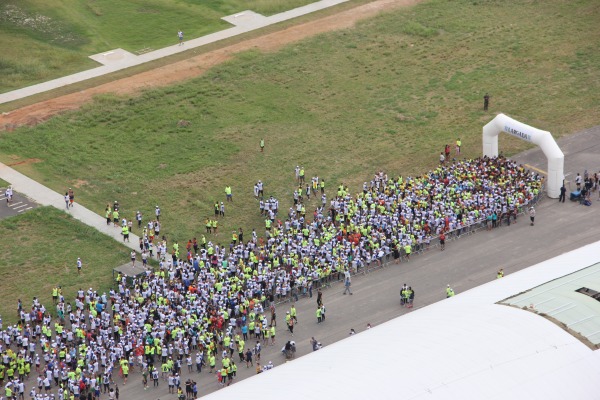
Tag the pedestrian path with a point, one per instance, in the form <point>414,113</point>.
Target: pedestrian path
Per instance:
<point>18,205</point>
<point>47,197</point>
<point>118,59</point>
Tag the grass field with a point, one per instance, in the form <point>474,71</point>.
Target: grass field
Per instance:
<point>386,95</point>
<point>41,40</point>
<point>40,250</point>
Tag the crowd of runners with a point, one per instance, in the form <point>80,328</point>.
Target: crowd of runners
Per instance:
<point>214,308</point>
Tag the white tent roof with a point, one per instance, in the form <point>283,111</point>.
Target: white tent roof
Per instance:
<point>465,347</point>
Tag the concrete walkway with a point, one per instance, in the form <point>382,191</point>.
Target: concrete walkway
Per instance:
<point>47,197</point>
<point>467,262</point>
<point>579,155</point>
<point>118,59</point>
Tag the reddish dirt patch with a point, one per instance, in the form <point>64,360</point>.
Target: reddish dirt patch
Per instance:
<point>195,66</point>
<point>27,161</point>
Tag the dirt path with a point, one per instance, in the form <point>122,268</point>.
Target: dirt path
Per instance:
<point>195,66</point>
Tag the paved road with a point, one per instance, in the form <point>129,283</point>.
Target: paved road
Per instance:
<point>466,263</point>
<point>18,205</point>
<point>581,152</point>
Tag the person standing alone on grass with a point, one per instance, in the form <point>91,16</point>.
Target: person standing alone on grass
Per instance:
<point>180,36</point>
<point>261,189</point>
<point>262,145</point>
<point>157,212</point>
<point>79,265</point>
<point>138,218</point>
<point>486,102</point>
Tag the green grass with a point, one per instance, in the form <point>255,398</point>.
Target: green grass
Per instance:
<point>386,95</point>
<point>3,183</point>
<point>40,250</point>
<point>183,55</point>
<point>41,40</point>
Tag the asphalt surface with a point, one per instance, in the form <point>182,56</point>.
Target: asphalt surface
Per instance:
<point>466,263</point>
<point>18,205</point>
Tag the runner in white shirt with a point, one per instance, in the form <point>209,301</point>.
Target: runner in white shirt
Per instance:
<point>9,194</point>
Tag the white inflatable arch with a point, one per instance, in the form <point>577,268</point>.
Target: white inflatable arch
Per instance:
<point>544,139</point>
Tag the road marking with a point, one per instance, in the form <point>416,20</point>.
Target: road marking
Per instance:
<point>14,204</point>
<point>541,171</point>
<point>25,209</point>
<point>21,206</point>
